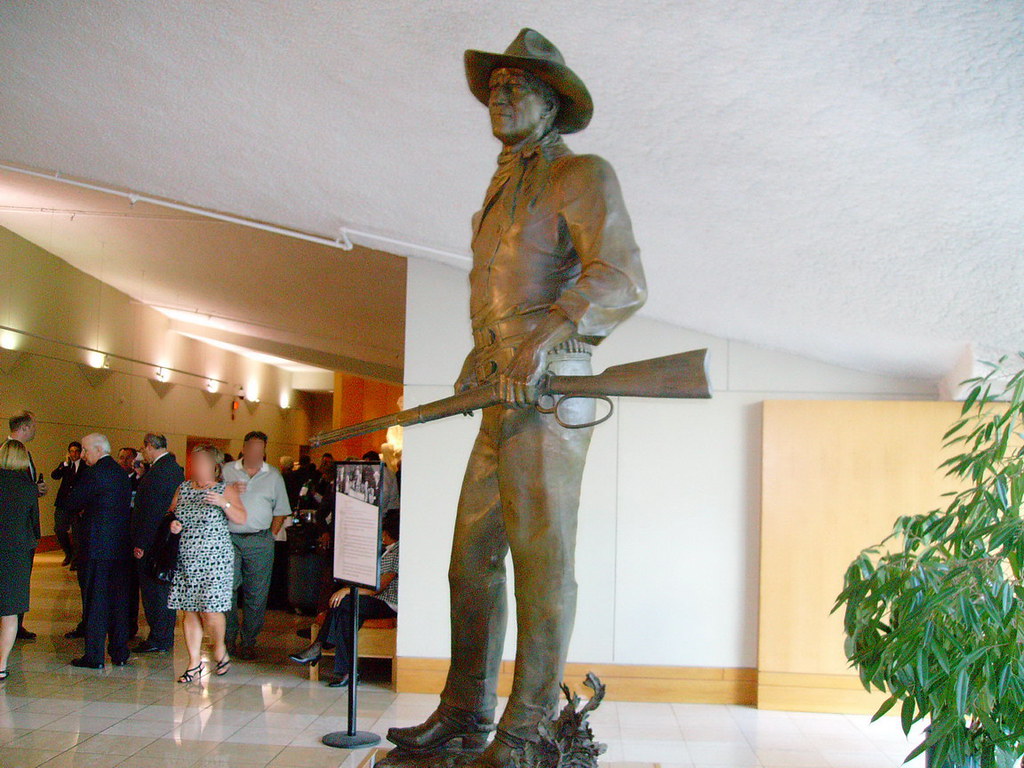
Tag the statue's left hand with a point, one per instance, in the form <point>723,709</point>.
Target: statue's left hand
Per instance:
<point>517,385</point>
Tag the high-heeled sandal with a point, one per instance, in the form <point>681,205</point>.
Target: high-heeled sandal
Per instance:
<point>223,666</point>
<point>189,675</point>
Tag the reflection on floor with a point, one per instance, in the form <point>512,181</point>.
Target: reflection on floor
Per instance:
<point>267,714</point>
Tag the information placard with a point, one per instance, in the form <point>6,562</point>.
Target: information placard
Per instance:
<point>357,523</point>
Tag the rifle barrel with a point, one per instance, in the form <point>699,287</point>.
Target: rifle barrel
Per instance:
<point>682,376</point>
<point>464,402</point>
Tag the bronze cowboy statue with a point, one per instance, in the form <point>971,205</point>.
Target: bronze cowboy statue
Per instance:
<point>555,270</point>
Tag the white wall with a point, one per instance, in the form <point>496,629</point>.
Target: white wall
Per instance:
<point>667,556</point>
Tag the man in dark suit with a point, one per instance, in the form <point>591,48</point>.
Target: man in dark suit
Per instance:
<point>152,500</point>
<point>22,427</point>
<point>64,519</point>
<point>104,494</point>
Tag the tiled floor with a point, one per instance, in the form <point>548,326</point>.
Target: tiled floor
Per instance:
<point>267,714</point>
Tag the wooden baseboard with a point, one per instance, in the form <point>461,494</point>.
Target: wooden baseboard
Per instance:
<point>795,692</point>
<point>626,682</point>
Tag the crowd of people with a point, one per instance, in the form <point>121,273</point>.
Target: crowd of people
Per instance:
<point>115,520</point>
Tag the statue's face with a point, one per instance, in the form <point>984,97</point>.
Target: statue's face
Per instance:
<point>518,107</point>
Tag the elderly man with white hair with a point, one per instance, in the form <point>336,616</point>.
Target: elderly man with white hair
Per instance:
<point>104,494</point>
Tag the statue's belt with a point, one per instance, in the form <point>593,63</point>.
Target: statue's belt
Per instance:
<point>493,338</point>
<point>496,343</point>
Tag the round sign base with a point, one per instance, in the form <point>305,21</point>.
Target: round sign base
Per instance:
<point>343,740</point>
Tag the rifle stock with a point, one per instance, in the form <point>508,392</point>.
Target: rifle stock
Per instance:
<point>683,375</point>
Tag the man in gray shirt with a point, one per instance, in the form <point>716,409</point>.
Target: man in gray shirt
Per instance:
<point>266,500</point>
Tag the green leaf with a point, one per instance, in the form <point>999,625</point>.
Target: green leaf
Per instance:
<point>907,714</point>
<point>970,399</point>
<point>961,690</point>
<point>884,709</point>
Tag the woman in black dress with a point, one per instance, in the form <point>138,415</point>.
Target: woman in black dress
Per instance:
<point>19,534</point>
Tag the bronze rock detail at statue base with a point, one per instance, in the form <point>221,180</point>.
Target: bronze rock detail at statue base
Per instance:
<point>565,742</point>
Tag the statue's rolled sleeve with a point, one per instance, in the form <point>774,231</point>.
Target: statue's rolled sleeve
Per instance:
<point>611,284</point>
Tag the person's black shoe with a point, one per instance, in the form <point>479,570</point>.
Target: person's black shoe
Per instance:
<point>24,634</point>
<point>305,634</point>
<point>338,682</point>
<point>147,647</point>
<point>123,663</point>
<point>309,656</point>
<point>75,634</point>
<point>85,664</point>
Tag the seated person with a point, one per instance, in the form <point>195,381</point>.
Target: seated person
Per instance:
<point>382,604</point>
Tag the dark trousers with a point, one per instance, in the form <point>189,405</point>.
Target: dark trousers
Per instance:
<point>254,564</point>
<point>62,522</point>
<point>106,609</point>
<point>21,616</point>
<point>338,627</point>
<point>133,600</point>
<point>160,618</point>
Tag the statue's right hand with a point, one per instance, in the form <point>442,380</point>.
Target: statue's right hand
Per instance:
<point>466,384</point>
<point>467,376</point>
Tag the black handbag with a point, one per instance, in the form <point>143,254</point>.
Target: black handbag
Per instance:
<point>161,561</point>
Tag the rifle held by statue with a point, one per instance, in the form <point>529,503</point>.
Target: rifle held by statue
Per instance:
<point>682,375</point>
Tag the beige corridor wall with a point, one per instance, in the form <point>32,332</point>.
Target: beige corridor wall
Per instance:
<point>57,306</point>
<point>836,476</point>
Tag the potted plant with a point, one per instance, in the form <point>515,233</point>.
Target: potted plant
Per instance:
<point>934,614</point>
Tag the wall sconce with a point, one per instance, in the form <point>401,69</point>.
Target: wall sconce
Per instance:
<point>162,374</point>
<point>212,385</point>
<point>286,400</point>
<point>97,359</point>
<point>10,356</point>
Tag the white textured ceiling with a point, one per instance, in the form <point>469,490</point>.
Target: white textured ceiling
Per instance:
<point>839,178</point>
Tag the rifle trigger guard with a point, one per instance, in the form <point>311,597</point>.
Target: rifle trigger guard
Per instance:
<point>552,410</point>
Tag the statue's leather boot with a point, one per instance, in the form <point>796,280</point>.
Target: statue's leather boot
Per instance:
<point>444,726</point>
<point>498,753</point>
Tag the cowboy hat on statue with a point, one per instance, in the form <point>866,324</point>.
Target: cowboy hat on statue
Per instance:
<point>532,52</point>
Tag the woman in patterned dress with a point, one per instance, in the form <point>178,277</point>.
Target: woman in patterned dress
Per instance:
<point>202,586</point>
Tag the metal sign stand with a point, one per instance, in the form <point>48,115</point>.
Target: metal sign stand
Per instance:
<point>352,738</point>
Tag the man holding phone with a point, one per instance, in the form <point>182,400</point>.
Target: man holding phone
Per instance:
<point>22,426</point>
<point>64,523</point>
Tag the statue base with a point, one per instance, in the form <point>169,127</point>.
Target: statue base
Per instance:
<point>565,741</point>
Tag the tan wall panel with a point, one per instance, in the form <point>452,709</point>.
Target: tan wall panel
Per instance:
<point>836,476</point>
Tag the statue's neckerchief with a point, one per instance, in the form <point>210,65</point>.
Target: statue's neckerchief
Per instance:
<point>511,160</point>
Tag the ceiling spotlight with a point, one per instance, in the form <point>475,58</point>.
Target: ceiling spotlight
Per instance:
<point>8,340</point>
<point>212,385</point>
<point>162,374</point>
<point>97,360</point>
